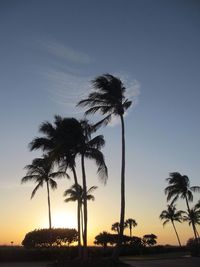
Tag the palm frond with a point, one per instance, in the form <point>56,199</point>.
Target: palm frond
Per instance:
<point>40,143</point>
<point>47,128</point>
<point>52,184</point>
<point>28,178</point>
<point>103,122</point>
<point>166,222</point>
<point>59,174</point>
<point>127,104</point>
<point>70,199</point>
<point>97,155</point>
<point>92,189</point>
<point>97,142</point>
<point>36,188</point>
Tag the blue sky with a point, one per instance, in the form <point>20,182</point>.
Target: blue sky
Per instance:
<point>50,50</point>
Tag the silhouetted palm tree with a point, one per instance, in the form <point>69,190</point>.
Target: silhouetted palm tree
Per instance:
<point>73,195</point>
<point>40,172</point>
<point>109,99</point>
<point>61,140</point>
<point>193,217</point>
<point>149,239</point>
<point>115,227</point>
<point>130,224</point>
<point>179,186</point>
<point>90,149</point>
<point>64,141</point>
<point>172,215</point>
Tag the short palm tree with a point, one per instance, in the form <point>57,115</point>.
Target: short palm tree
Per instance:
<point>149,239</point>
<point>193,217</point>
<point>109,99</point>
<point>73,195</point>
<point>172,215</point>
<point>40,172</point>
<point>179,186</point>
<point>115,227</point>
<point>130,224</point>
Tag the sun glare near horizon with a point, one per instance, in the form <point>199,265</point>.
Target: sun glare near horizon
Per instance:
<point>61,220</point>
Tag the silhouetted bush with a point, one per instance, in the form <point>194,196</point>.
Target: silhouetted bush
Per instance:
<point>50,237</point>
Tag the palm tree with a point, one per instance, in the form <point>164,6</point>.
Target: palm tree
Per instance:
<point>179,186</point>
<point>40,172</point>
<point>130,224</point>
<point>64,141</point>
<point>116,227</point>
<point>109,99</point>
<point>172,215</point>
<point>60,140</point>
<point>193,217</point>
<point>73,195</point>
<point>149,239</point>
<point>90,148</point>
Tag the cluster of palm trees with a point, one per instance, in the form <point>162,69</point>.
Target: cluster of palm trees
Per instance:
<point>66,139</point>
<point>129,223</point>
<point>179,187</point>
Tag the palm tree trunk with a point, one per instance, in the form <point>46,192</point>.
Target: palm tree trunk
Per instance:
<point>82,222</point>
<point>122,213</point>
<point>78,212</point>
<point>130,231</point>
<point>49,204</point>
<point>176,233</point>
<point>193,225</point>
<point>85,252</point>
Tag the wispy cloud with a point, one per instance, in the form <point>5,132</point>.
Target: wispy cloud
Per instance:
<point>65,52</point>
<point>66,89</point>
<point>67,83</point>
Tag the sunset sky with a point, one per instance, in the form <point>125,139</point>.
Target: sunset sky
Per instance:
<point>49,53</point>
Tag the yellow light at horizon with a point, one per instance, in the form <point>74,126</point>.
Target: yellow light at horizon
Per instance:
<point>64,220</point>
<point>61,220</point>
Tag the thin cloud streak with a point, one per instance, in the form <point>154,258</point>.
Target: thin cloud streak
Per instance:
<point>67,89</point>
<point>65,52</point>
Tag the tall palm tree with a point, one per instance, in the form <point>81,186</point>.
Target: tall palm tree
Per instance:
<point>40,172</point>
<point>109,99</point>
<point>172,215</point>
<point>193,217</point>
<point>90,148</point>
<point>73,195</point>
<point>179,186</point>
<point>130,224</point>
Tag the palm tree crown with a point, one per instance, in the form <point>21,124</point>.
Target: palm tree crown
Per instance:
<point>172,215</point>
<point>179,186</point>
<point>74,195</point>
<point>107,98</point>
<point>130,224</point>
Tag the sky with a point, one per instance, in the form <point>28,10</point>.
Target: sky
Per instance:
<point>49,53</point>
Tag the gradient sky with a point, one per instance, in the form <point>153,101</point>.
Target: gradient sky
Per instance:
<point>49,52</point>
